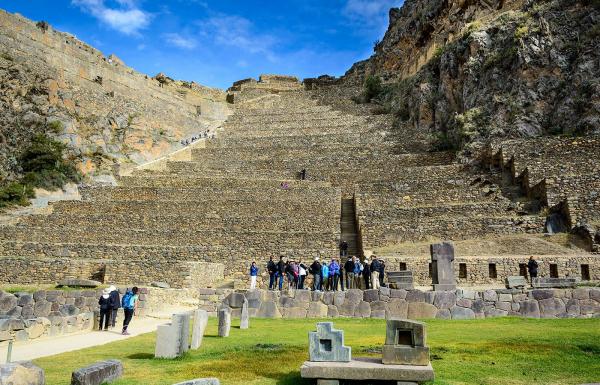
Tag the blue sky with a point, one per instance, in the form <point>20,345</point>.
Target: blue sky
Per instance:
<point>217,42</point>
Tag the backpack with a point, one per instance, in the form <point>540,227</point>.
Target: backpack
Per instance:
<point>128,301</point>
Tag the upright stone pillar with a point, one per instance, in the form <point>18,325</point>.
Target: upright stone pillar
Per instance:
<point>200,321</point>
<point>327,344</point>
<point>224,322</point>
<point>172,340</point>
<point>442,266</point>
<point>244,317</point>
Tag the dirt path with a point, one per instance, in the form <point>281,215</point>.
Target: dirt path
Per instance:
<point>56,345</point>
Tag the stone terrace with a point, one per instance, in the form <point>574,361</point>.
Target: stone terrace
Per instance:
<point>229,203</point>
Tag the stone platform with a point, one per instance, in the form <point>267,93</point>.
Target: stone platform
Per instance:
<point>360,369</point>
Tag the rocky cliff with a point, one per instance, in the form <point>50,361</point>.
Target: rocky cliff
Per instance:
<point>52,83</point>
<point>464,71</point>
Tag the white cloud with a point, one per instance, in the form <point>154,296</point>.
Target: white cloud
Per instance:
<point>127,18</point>
<point>180,41</point>
<point>238,32</point>
<point>370,12</point>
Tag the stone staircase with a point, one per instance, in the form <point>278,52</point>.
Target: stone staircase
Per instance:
<point>349,228</point>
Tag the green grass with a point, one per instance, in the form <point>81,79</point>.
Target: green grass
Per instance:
<point>493,351</point>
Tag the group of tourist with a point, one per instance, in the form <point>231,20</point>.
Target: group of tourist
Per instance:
<point>332,276</point>
<point>204,134</point>
<point>110,301</point>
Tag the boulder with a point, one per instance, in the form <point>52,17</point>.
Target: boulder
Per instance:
<point>328,297</point>
<point>443,314</point>
<point>293,312</point>
<point>461,313</point>
<point>98,373</point>
<point>490,296</point>
<point>7,303</point>
<point>317,310</point>
<point>415,296</point>
<point>541,294</point>
<point>21,373</point>
<point>363,309</point>
<point>347,309</point>
<point>42,308</point>
<point>35,329</point>
<point>551,307</point>
<point>338,298</point>
<point>332,311</point>
<point>572,307</point>
<point>397,308</point>
<point>25,300</point>
<point>76,282</point>
<point>478,306</point>
<point>371,295</point>
<point>353,296</point>
<point>529,309</point>
<point>236,300</point>
<point>421,310</point>
<point>398,293</point>
<point>444,299</point>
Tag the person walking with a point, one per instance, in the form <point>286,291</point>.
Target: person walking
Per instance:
<point>349,268</point>
<point>334,273</point>
<point>272,269</point>
<point>343,248</point>
<point>301,275</point>
<point>253,274</point>
<point>375,272</point>
<point>129,303</point>
<point>105,309</point>
<point>325,276</point>
<point>532,267</point>
<point>315,270</point>
<point>280,271</point>
<point>366,273</point>
<point>115,304</point>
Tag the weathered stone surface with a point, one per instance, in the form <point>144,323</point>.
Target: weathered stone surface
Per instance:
<point>505,297</point>
<point>442,264</point>
<point>293,312</point>
<point>443,314</point>
<point>506,306</point>
<point>7,303</point>
<point>581,293</point>
<point>363,310</point>
<point>25,300</point>
<point>444,299</point>
<point>21,373</point>
<point>317,310</point>
<point>494,312</point>
<point>327,344</point>
<point>244,316</point>
<point>236,300</point>
<point>224,322</point>
<point>348,309</point>
<point>268,309</point>
<point>172,340</point>
<point>201,381</point>
<point>76,282</point>
<point>421,310</point>
<point>397,308</point>
<point>541,294</point>
<point>328,297</point>
<point>371,295</point>
<point>490,296</point>
<point>198,328</point>
<point>572,307</point>
<point>462,313</point>
<point>551,307</point>
<point>361,369</point>
<point>464,302</point>
<point>398,293</point>
<point>530,309</point>
<point>42,308</point>
<point>415,296</point>
<point>516,281</point>
<point>353,296</point>
<point>332,311</point>
<point>98,373</point>
<point>589,306</point>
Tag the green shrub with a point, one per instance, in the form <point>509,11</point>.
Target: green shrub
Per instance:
<point>55,127</point>
<point>373,87</point>
<point>14,194</point>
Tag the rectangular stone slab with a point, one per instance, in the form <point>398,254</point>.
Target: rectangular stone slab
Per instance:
<point>405,355</point>
<point>366,369</point>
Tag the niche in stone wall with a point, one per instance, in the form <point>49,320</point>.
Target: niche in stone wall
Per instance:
<point>553,270</point>
<point>523,269</point>
<point>462,270</point>
<point>493,273</point>
<point>585,272</point>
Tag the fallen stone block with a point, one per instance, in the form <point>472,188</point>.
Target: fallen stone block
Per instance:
<point>99,373</point>
<point>21,373</point>
<point>76,282</point>
<point>201,381</point>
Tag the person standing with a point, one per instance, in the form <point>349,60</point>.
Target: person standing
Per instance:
<point>280,271</point>
<point>105,309</point>
<point>381,272</point>
<point>253,274</point>
<point>315,270</point>
<point>357,272</point>
<point>532,267</point>
<point>115,304</point>
<point>129,303</point>
<point>375,272</point>
<point>301,275</point>
<point>366,273</point>
<point>272,269</point>
<point>343,248</point>
<point>334,273</point>
<point>325,276</point>
<point>349,268</point>
<point>342,275</point>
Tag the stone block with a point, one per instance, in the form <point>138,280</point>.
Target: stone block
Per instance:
<point>461,313</point>
<point>7,303</point>
<point>468,294</point>
<point>200,381</point>
<point>5,336</point>
<point>505,297</point>
<point>224,315</point>
<point>328,297</point>
<point>39,295</point>
<point>539,294</point>
<point>25,300</point>
<point>338,298</point>
<point>595,294</point>
<point>27,312</point>
<point>379,306</point>
<point>75,282</point>
<point>98,373</point>
<point>572,307</point>
<point>442,264</point>
<point>244,316</point>
<point>506,306</point>
<point>268,309</point>
<point>15,324</point>
<point>581,293</point>
<point>530,309</point>
<point>316,296</point>
<point>15,312</point>
<point>398,293</point>
<point>172,340</point>
<point>444,299</point>
<point>21,336</point>
<point>293,312</point>
<point>490,296</point>
<point>160,285</point>
<point>515,282</point>
<point>347,309</point>
<point>363,310</point>
<point>371,295</point>
<point>589,306</point>
<point>198,328</point>
<point>405,355</point>
<point>464,302</point>
<point>332,311</point>
<point>235,300</point>
<point>443,314</point>
<point>354,296</point>
<point>36,329</point>
<point>317,310</point>
<point>366,369</point>
<point>21,373</point>
<point>551,307</point>
<point>415,296</point>
<point>327,344</point>
<point>397,308</point>
<point>381,314</point>
<point>542,282</point>
<point>421,310</point>
<point>384,293</point>
<point>493,312</point>
<point>302,296</point>
<point>42,308</point>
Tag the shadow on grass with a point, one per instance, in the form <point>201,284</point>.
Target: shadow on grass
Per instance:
<point>293,378</point>
<point>141,356</point>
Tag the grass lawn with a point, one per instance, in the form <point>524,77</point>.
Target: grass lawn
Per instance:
<point>498,351</point>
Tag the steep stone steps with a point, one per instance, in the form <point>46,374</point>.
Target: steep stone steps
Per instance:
<point>349,228</point>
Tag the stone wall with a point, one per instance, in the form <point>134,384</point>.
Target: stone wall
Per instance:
<point>138,271</point>
<point>48,313</point>
<point>416,304</point>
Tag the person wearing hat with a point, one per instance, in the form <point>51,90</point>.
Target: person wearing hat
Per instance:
<point>115,304</point>
<point>315,270</point>
<point>105,309</point>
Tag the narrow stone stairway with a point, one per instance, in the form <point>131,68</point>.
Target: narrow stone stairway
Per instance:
<point>348,227</point>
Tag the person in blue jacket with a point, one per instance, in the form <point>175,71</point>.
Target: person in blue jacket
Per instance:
<point>334,273</point>
<point>325,275</point>
<point>253,274</point>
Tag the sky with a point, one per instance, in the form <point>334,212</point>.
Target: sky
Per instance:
<point>218,42</point>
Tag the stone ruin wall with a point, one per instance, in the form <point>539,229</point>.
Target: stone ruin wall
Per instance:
<point>49,313</point>
<point>108,110</point>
